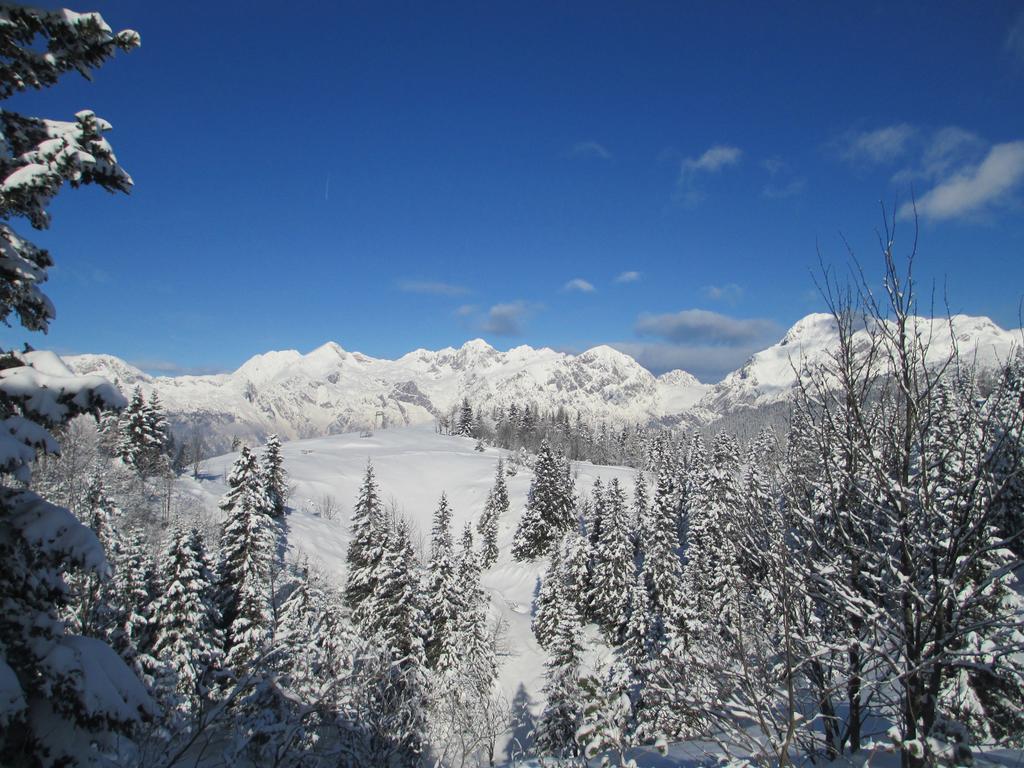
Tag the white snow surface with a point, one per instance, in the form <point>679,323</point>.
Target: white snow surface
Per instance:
<point>413,467</point>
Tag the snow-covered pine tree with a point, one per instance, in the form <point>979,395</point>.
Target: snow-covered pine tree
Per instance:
<point>641,512</point>
<point>366,546</point>
<point>62,694</point>
<point>91,613</point>
<point>443,609</point>
<point>134,439</point>
<point>158,430</point>
<point>661,564</point>
<point>475,643</point>
<point>247,550</point>
<point>613,565</point>
<point>497,506</point>
<point>274,476</point>
<point>549,509</point>
<point>396,696</point>
<point>594,521</point>
<point>465,426</point>
<point>555,733</point>
<point>564,583</point>
<point>185,620</point>
<point>242,479</point>
<point>711,576</point>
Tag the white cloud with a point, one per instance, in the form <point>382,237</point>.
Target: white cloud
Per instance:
<point>466,310</point>
<point>712,161</point>
<point>432,287</point>
<point>590,149</point>
<point>876,147</point>
<point>974,188</point>
<point>580,285</point>
<point>705,326</point>
<point>505,319</point>
<point>628,277</point>
<point>947,148</point>
<point>730,292</point>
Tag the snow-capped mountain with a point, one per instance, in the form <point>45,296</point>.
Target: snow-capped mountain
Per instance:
<point>770,375</point>
<point>331,390</point>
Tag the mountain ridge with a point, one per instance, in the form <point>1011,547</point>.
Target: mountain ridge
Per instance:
<point>330,389</point>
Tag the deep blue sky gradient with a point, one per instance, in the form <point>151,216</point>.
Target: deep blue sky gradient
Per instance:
<point>300,167</point>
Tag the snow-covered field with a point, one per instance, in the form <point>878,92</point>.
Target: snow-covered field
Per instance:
<point>413,467</point>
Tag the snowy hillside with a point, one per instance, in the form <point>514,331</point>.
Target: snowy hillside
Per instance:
<point>330,390</point>
<point>413,467</point>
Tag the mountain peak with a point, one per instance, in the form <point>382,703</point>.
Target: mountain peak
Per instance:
<point>477,345</point>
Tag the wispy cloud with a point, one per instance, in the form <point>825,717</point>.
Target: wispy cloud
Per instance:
<point>505,319</point>
<point>782,191</point>
<point>946,149</point>
<point>713,160</point>
<point>730,292</point>
<point>579,285</point>
<point>590,149</point>
<point>974,188</point>
<point>628,277</point>
<point>707,344</point>
<point>432,287</point>
<point>1015,39</point>
<point>466,310</point>
<point>704,326</point>
<point>875,147</point>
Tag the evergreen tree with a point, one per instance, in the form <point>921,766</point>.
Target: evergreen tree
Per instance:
<point>274,476</point>
<point>366,547</point>
<point>711,576</point>
<point>497,505</point>
<point>549,508</point>
<point>465,426</point>
<point>555,733</point>
<point>642,523</point>
<point>91,613</point>
<point>142,434</point>
<point>398,693</point>
<point>247,549</point>
<point>613,565</point>
<point>65,695</point>
<point>442,613</point>
<point>186,636</point>
<point>476,660</point>
<point>661,564</point>
<point>243,479</point>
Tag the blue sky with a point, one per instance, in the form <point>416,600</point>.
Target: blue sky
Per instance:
<point>657,176</point>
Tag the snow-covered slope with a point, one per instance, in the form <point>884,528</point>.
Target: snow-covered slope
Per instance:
<point>413,466</point>
<point>770,375</point>
<point>330,390</point>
